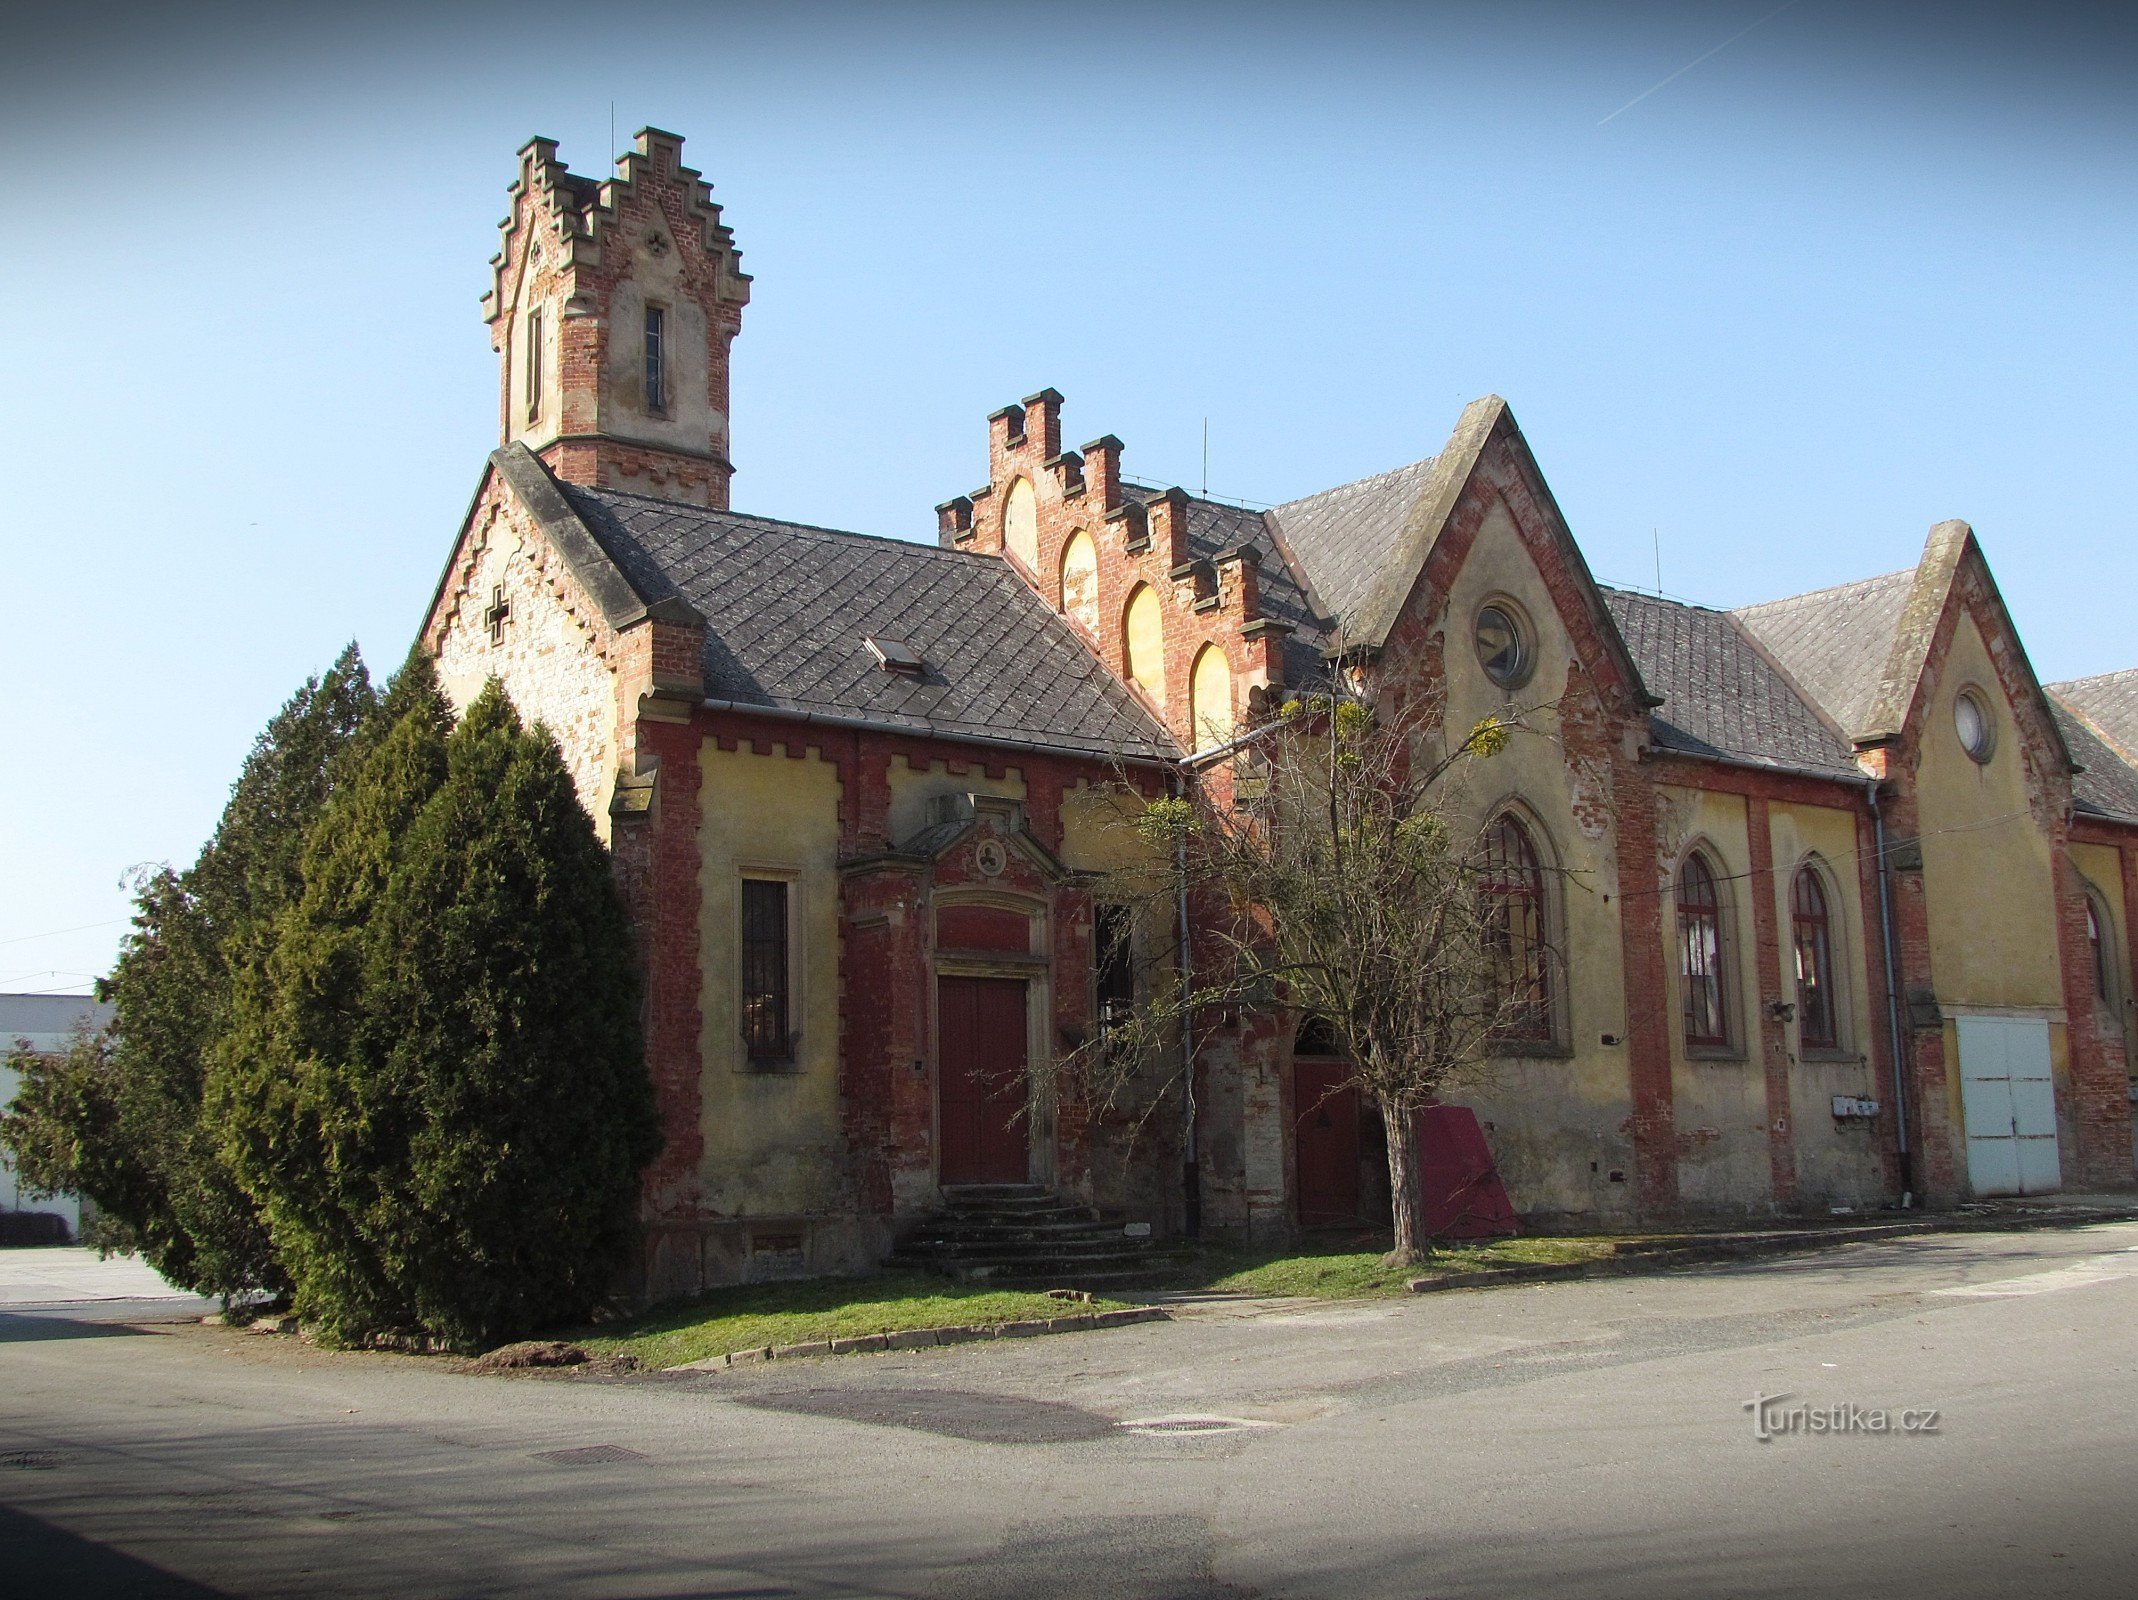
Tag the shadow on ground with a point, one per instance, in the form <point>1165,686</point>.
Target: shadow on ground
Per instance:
<point>54,1564</point>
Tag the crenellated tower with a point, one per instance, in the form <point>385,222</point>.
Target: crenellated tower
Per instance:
<point>612,312</point>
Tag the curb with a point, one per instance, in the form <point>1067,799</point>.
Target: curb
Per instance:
<point>927,1338</point>
<point>1636,1256</point>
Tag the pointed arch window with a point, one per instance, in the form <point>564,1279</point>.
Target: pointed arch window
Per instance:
<point>1701,954</point>
<point>2101,954</point>
<point>1811,928</point>
<point>1521,946</point>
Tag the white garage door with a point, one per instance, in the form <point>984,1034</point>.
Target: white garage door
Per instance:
<point>2009,1102</point>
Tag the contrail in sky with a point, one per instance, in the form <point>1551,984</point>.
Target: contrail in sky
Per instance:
<point>1682,71</point>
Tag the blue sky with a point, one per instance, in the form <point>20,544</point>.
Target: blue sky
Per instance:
<point>1862,268</point>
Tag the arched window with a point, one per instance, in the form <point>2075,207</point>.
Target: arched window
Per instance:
<point>2101,951</point>
<point>1146,643</point>
<point>1080,580</point>
<point>1020,523</point>
<point>1521,946</point>
<point>1701,954</point>
<point>1210,698</point>
<point>1811,927</point>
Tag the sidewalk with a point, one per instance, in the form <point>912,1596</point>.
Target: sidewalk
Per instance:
<point>70,1275</point>
<point>1694,1248</point>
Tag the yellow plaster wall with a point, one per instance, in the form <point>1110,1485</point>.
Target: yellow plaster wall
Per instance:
<point>1020,523</point>
<point>1099,829</point>
<point>1080,581</point>
<point>1721,1095</point>
<point>1836,1162</point>
<point>913,788</point>
<point>1210,697</point>
<point>1549,1119</point>
<point>1986,865</point>
<point>1146,643</point>
<point>772,1138</point>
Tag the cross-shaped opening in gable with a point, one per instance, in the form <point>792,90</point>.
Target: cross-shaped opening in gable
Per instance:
<point>499,614</point>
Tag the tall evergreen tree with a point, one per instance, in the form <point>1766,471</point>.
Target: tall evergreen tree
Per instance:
<point>120,1119</point>
<point>438,1091</point>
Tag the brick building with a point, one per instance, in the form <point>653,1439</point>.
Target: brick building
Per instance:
<point>1842,896</point>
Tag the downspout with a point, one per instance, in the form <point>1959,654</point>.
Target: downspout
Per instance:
<point>1191,1177</point>
<point>1899,1046</point>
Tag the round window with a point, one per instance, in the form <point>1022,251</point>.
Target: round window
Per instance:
<point>1502,646</point>
<point>1971,721</point>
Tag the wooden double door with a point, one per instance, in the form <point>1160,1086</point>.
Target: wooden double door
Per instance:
<point>983,1131</point>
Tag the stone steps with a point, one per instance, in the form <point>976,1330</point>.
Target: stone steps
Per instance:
<point>1024,1236</point>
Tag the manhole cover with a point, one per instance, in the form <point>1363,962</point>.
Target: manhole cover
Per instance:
<point>29,1460</point>
<point>1169,1427</point>
<point>588,1455</point>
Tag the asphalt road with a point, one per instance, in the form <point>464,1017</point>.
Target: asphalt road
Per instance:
<point>1585,1439</point>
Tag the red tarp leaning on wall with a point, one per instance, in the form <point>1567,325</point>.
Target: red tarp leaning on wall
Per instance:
<point>1464,1198</point>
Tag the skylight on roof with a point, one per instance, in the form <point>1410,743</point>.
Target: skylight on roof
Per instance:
<point>893,656</point>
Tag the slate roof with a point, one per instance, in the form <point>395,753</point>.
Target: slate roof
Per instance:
<point>1343,537</point>
<point>2099,717</point>
<point>1835,642</point>
<point>788,607</point>
<point>1722,697</point>
<point>2109,705</point>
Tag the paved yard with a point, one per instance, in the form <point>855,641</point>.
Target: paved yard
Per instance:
<point>1574,1439</point>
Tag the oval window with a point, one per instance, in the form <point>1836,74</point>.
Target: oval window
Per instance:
<point>1971,720</point>
<point>1502,646</point>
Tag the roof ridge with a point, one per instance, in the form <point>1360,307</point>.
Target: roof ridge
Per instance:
<point>2094,677</point>
<point>1665,600</point>
<point>685,507</point>
<point>1907,573</point>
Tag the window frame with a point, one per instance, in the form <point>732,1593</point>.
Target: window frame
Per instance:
<point>1825,979</point>
<point>1526,881</point>
<point>1113,961</point>
<point>1715,981</point>
<point>2101,945</point>
<point>534,364</point>
<point>654,364</point>
<point>754,1058</point>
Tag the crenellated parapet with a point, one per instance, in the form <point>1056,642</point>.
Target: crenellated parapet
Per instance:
<point>1166,589</point>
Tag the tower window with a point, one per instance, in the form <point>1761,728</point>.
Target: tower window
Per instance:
<point>534,364</point>
<point>656,359</point>
<point>1818,1027</point>
<point>1700,955</point>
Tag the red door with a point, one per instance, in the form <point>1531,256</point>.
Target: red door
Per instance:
<point>981,1089</point>
<point>1325,1142</point>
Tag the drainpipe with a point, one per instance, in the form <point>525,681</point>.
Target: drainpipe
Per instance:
<point>1886,939</point>
<point>1191,1177</point>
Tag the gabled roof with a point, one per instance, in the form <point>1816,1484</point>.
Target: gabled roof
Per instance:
<point>1834,642</point>
<point>1723,697</point>
<point>789,609</point>
<point>2109,706</point>
<point>1343,537</point>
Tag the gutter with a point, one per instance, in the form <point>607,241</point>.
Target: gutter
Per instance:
<point>917,725</point>
<point>1893,1028</point>
<point>1191,1172</point>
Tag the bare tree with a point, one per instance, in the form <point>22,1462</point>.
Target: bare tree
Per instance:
<point>1332,868</point>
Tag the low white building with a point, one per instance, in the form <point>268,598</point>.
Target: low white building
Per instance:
<point>46,1023</point>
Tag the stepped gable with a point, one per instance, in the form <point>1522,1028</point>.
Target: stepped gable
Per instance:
<point>789,610</point>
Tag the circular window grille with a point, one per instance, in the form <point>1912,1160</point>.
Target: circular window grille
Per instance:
<point>1502,647</point>
<point>1972,722</point>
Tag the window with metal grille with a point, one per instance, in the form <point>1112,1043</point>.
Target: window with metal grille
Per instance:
<point>1114,961</point>
<point>764,970</point>
<point>1700,954</point>
<point>1521,946</point>
<point>534,364</point>
<point>656,358</point>
<point>1818,1024</point>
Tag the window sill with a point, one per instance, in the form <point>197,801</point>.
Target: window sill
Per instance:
<point>770,1069</point>
<point>1532,1050</point>
<point>1714,1052</point>
<point>1833,1057</point>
